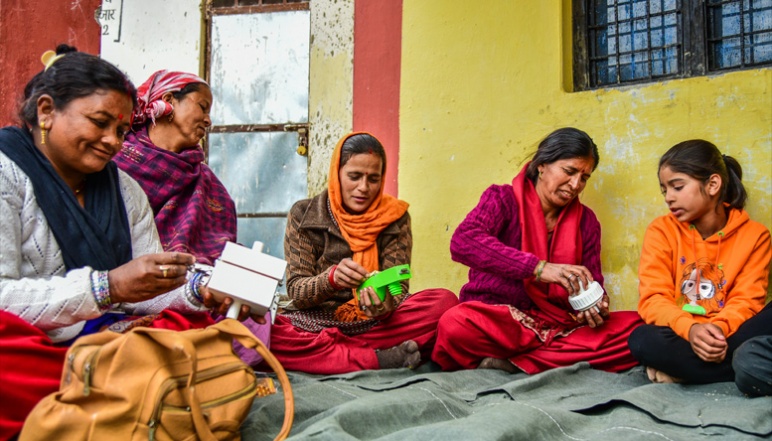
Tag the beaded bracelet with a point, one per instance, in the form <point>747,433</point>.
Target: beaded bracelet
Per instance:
<point>539,269</point>
<point>100,288</point>
<point>198,280</point>
<point>189,295</point>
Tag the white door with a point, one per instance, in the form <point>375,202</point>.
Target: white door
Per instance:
<point>258,62</point>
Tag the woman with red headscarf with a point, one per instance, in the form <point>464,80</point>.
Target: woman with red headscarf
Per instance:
<point>192,208</point>
<point>333,242</point>
<point>529,246</point>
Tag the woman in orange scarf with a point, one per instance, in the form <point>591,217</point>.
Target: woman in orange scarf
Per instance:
<point>332,243</point>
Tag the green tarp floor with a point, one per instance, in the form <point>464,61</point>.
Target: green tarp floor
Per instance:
<point>573,403</point>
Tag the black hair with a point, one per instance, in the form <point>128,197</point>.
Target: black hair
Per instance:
<point>189,88</point>
<point>565,143</point>
<point>75,75</point>
<point>700,160</point>
<point>362,143</point>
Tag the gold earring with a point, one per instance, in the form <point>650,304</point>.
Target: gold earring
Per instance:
<point>43,133</point>
<point>171,116</point>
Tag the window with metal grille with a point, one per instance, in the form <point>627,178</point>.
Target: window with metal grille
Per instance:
<point>618,42</point>
<point>739,33</point>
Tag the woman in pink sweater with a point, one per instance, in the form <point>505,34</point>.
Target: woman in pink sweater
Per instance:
<point>529,246</point>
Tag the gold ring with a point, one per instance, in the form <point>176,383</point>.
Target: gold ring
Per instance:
<point>164,270</point>
<point>380,308</point>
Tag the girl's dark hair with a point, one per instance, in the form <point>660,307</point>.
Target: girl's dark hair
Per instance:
<point>362,143</point>
<point>565,143</point>
<point>75,75</point>
<point>700,160</point>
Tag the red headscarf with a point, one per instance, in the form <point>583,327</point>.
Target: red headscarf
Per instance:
<point>566,247</point>
<point>149,94</point>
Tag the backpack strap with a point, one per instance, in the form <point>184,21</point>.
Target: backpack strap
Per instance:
<point>244,336</point>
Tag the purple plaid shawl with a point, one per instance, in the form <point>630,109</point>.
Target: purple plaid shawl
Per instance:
<point>193,211</point>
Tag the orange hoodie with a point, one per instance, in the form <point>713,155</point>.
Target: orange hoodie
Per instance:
<point>726,274</point>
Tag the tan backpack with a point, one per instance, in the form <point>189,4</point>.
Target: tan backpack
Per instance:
<point>156,384</point>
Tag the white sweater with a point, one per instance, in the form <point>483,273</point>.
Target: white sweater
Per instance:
<point>34,283</point>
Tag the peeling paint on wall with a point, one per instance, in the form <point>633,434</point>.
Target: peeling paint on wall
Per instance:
<point>151,40</point>
<point>331,94</point>
<point>30,27</point>
<point>485,85</point>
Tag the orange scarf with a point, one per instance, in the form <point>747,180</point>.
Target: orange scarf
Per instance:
<point>360,230</point>
<point>566,247</point>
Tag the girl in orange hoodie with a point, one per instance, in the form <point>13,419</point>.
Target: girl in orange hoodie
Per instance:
<point>703,272</point>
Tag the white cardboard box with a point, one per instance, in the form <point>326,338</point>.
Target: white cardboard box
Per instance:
<point>248,276</point>
<point>253,260</point>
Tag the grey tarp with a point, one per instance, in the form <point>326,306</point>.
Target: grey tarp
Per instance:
<point>573,403</point>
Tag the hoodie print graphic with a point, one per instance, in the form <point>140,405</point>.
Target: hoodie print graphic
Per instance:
<point>702,284</point>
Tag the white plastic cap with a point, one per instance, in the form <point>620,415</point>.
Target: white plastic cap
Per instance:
<point>586,297</point>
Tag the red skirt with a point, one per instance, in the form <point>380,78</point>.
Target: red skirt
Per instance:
<point>31,365</point>
<point>333,352</point>
<point>475,330</point>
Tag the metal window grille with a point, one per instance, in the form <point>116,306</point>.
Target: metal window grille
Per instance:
<point>739,33</point>
<point>634,40</point>
<point>618,42</point>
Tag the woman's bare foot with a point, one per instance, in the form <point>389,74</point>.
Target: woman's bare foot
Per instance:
<point>404,355</point>
<point>497,363</point>
<point>660,377</point>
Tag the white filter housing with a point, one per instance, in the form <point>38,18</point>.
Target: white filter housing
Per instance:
<point>587,298</point>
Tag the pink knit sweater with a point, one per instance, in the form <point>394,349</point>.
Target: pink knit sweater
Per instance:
<point>488,241</point>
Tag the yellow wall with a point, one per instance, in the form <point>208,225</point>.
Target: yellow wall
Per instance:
<point>331,85</point>
<point>483,83</point>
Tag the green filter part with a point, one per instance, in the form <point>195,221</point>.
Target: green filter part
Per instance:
<point>387,281</point>
<point>694,309</point>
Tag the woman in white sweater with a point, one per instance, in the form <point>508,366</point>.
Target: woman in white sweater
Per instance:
<point>79,250</point>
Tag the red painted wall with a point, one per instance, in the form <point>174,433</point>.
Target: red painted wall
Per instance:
<point>377,57</point>
<point>30,27</point>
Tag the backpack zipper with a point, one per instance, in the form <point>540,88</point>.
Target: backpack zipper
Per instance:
<point>87,371</point>
<point>217,402</point>
<point>71,361</point>
<point>176,382</point>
